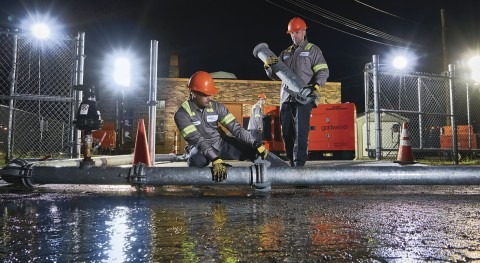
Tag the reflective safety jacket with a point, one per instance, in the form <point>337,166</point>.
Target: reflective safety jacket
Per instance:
<point>256,118</point>
<point>199,127</point>
<point>307,62</point>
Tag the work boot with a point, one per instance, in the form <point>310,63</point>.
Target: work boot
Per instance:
<point>292,164</point>
<point>299,163</point>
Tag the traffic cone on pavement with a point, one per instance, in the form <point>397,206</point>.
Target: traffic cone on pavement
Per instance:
<point>405,155</point>
<point>140,153</point>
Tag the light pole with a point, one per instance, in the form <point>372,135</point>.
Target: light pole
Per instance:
<point>122,77</point>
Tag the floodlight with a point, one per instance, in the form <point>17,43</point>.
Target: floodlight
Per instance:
<point>122,72</point>
<point>474,64</point>
<point>400,62</point>
<point>40,30</point>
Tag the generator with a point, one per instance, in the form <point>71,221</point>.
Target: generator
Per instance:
<point>331,136</point>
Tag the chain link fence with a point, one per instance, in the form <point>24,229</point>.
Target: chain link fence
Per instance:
<point>36,95</point>
<point>442,111</point>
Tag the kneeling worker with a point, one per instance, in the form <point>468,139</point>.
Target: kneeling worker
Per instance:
<point>198,119</point>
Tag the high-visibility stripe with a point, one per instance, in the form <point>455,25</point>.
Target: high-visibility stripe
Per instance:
<point>186,107</point>
<point>210,107</point>
<point>308,46</point>
<point>227,119</point>
<point>257,115</point>
<point>318,67</point>
<point>187,130</point>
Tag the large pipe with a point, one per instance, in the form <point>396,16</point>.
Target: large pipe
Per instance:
<point>307,175</point>
<point>295,85</point>
<point>113,160</point>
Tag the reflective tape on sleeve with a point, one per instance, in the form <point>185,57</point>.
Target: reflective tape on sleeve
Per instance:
<point>187,130</point>
<point>227,119</point>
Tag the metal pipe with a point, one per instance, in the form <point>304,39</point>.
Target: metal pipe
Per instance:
<point>77,94</point>
<point>451,76</point>
<point>376,102</point>
<point>113,160</point>
<point>295,85</point>
<point>307,175</point>
<point>152,102</point>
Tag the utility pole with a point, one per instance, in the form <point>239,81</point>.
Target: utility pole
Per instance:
<point>444,42</point>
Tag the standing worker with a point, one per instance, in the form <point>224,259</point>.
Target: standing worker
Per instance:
<point>255,124</point>
<point>198,119</point>
<point>306,60</point>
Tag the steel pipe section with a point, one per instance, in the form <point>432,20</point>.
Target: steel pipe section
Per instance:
<point>375,175</point>
<point>307,175</point>
<point>295,85</point>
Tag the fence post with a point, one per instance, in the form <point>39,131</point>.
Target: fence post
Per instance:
<point>378,130</point>
<point>11,102</point>
<point>152,102</point>
<point>451,75</point>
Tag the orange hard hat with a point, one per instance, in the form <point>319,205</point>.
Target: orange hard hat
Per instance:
<point>262,96</point>
<point>296,24</point>
<point>202,82</point>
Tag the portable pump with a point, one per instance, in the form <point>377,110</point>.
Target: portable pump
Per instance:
<point>87,119</point>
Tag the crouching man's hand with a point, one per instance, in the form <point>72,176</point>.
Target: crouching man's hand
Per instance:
<point>219,170</point>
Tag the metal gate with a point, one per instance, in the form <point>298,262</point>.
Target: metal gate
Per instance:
<point>442,111</point>
<point>37,100</point>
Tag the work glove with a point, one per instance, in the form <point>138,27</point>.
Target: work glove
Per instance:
<point>315,89</point>
<point>219,170</point>
<point>261,150</point>
<point>270,61</point>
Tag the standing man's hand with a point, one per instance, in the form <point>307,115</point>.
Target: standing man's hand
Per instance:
<point>315,89</point>
<point>219,170</point>
<point>270,61</point>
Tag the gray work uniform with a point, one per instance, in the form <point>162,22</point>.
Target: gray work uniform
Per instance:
<point>307,61</point>
<point>255,124</point>
<point>199,127</point>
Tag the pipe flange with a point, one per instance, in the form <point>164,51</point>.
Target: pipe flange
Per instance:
<point>259,175</point>
<point>18,171</point>
<point>137,175</point>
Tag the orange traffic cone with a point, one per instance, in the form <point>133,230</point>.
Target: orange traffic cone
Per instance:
<point>405,155</point>
<point>141,154</point>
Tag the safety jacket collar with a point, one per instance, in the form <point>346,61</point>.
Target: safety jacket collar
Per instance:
<point>304,45</point>
<point>190,107</point>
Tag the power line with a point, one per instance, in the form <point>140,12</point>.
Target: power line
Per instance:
<point>344,21</point>
<point>334,28</point>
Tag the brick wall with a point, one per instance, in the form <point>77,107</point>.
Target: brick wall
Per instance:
<point>173,92</point>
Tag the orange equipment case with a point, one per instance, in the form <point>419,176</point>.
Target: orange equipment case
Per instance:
<point>331,136</point>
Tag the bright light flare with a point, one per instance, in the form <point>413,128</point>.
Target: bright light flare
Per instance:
<point>474,64</point>
<point>400,62</point>
<point>41,30</point>
<point>122,72</point>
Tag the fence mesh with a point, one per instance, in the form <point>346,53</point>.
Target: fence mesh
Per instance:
<point>424,101</point>
<point>36,95</point>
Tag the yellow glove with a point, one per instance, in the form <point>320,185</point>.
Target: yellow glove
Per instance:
<point>262,151</point>
<point>219,170</point>
<point>270,61</point>
<point>315,89</point>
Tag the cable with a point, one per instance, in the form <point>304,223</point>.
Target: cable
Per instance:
<point>334,28</point>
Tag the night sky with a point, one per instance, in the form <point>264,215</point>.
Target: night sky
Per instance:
<point>220,35</point>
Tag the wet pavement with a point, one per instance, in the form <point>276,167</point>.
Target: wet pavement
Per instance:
<point>86,223</point>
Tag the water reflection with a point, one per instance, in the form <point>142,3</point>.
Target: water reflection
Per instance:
<point>53,227</point>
